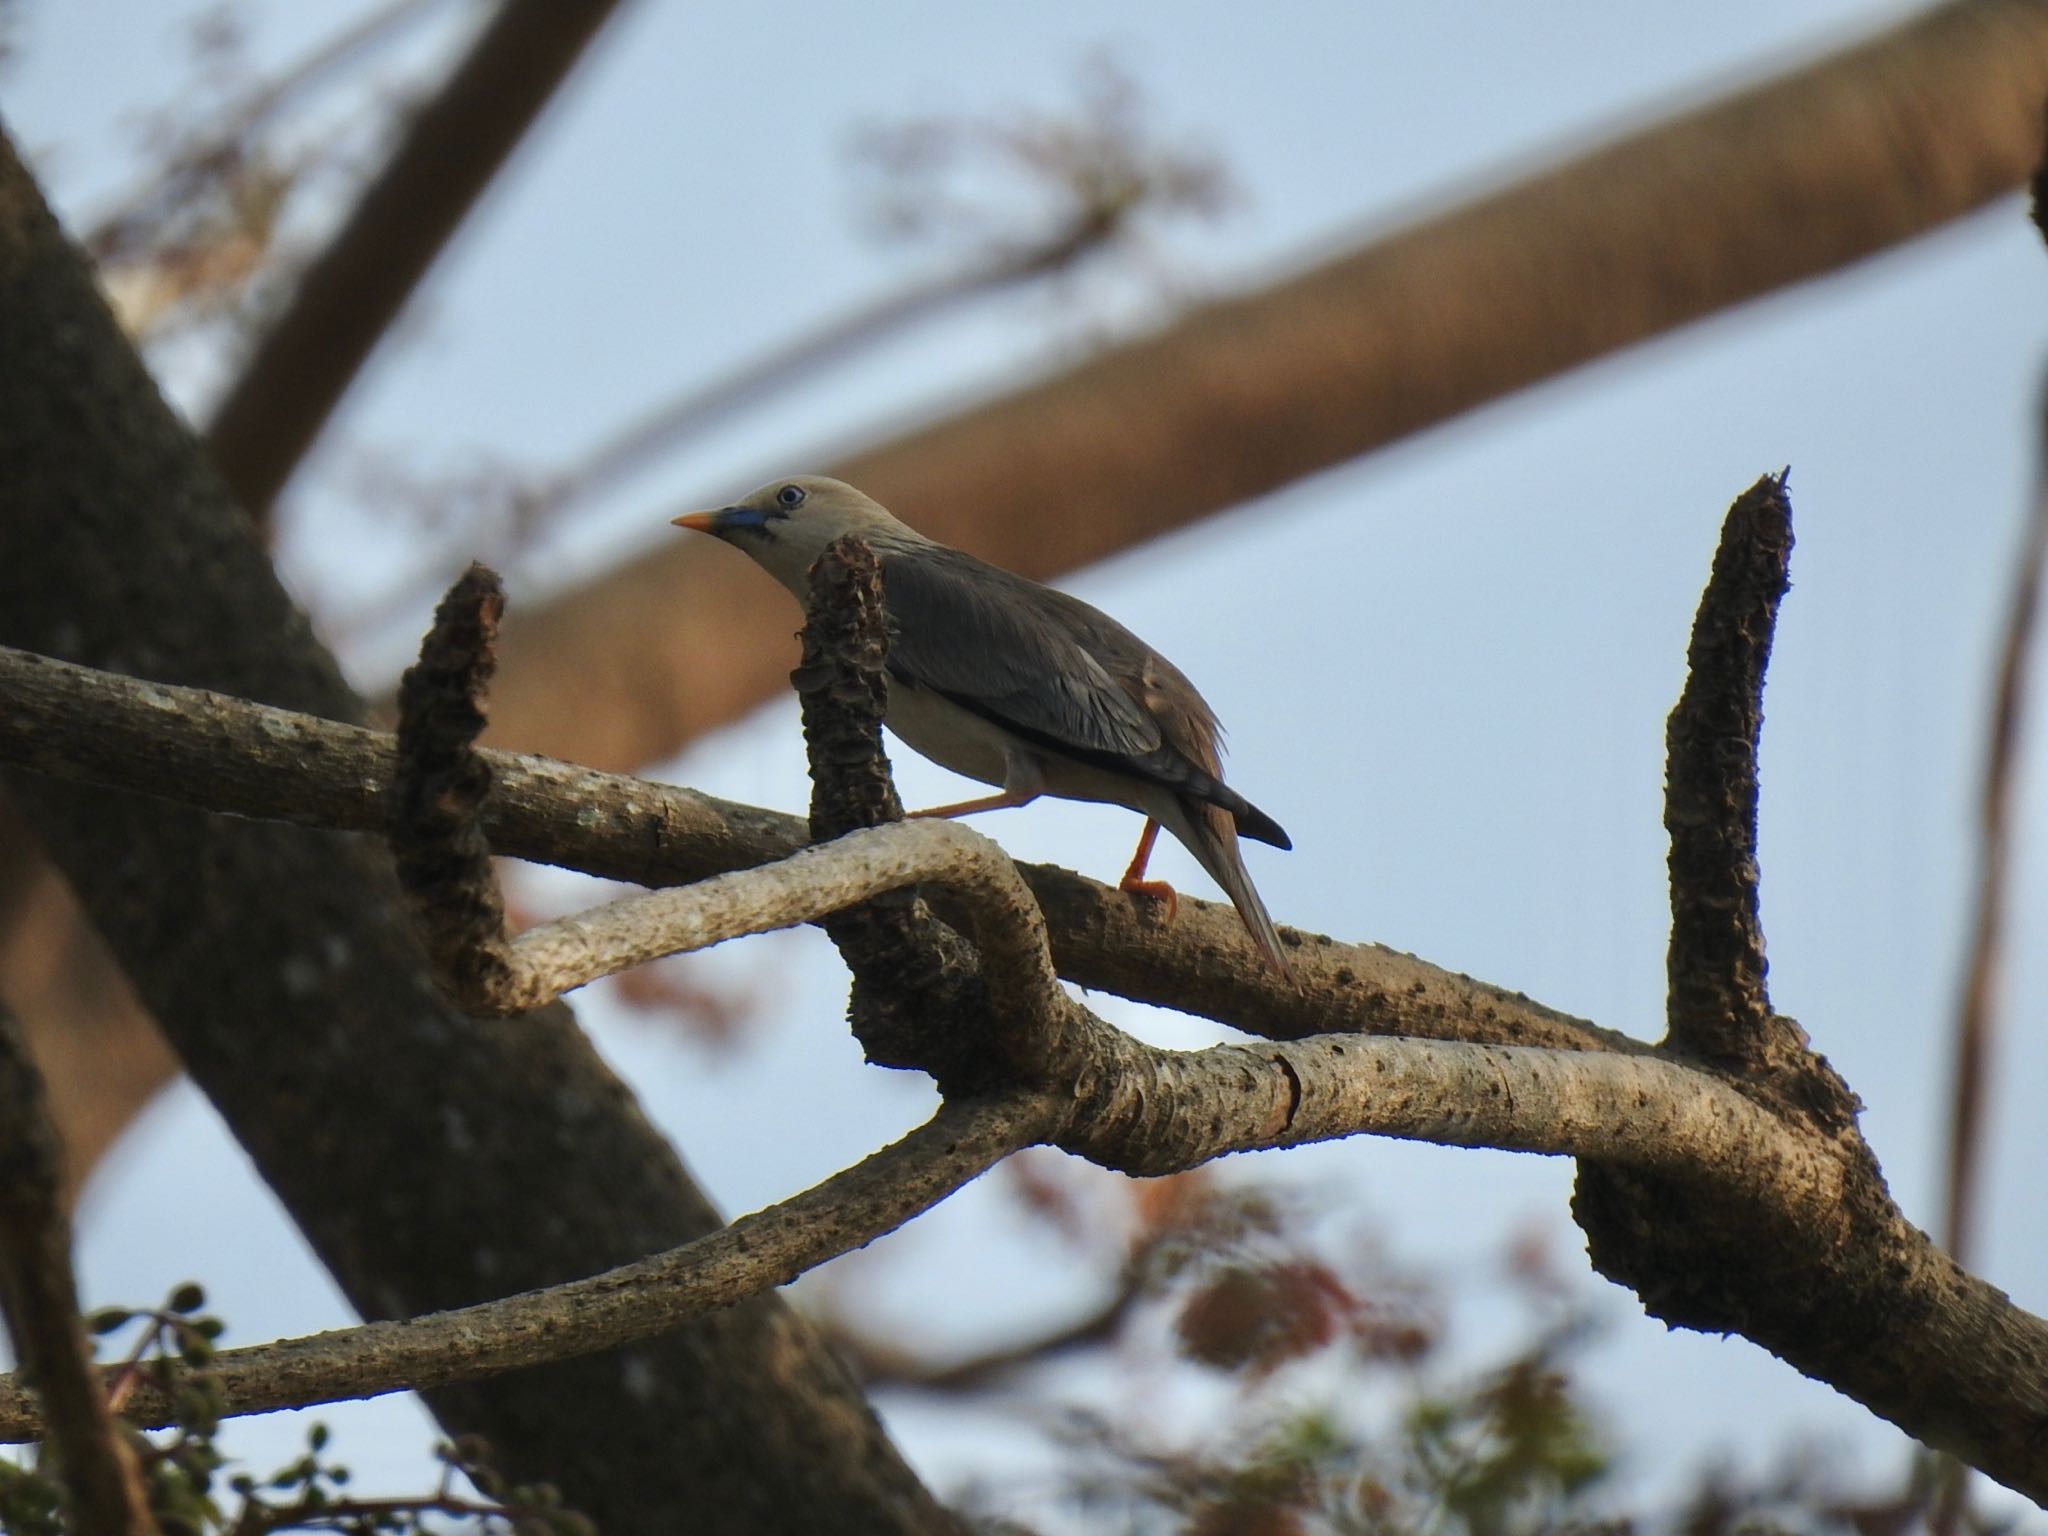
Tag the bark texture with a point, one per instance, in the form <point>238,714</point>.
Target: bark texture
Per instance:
<point>431,1159</point>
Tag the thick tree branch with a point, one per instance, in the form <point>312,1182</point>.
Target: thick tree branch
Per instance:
<point>635,1301</point>
<point>1185,1108</point>
<point>39,1299</point>
<point>226,754</point>
<point>1873,146</point>
<point>348,298</point>
<point>1647,1113</point>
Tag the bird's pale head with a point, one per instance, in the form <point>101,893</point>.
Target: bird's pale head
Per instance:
<point>787,524</point>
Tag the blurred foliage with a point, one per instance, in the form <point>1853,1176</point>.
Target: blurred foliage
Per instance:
<point>183,1465</point>
<point>239,170</point>
<point>1273,1373</point>
<point>1036,190</point>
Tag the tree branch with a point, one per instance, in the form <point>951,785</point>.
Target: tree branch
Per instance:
<point>444,862</point>
<point>552,958</point>
<point>1977,1010</point>
<point>348,298</point>
<point>100,1054</point>
<point>914,977</point>
<point>1719,1008</point>
<point>226,754</point>
<point>1188,1108</point>
<point>39,1298</point>
<point>1646,1113</point>
<point>883,1363</point>
<point>635,1301</point>
<point>439,848</point>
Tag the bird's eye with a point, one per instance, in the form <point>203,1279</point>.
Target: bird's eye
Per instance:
<point>790,497</point>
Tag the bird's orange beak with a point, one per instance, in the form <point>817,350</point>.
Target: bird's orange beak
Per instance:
<point>697,522</point>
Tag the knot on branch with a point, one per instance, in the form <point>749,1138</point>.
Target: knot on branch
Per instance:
<point>438,786</point>
<point>1718,1005</point>
<point>1719,1008</point>
<point>915,980</point>
<point>843,690</point>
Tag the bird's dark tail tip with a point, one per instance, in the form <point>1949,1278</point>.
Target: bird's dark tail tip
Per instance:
<point>1215,846</point>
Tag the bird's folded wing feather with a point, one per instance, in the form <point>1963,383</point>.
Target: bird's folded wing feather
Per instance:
<point>1057,672</point>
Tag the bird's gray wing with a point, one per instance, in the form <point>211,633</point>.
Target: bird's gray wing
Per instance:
<point>1055,671</point>
<point>1011,651</point>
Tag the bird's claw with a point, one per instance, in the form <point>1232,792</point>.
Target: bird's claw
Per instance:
<point>1154,890</point>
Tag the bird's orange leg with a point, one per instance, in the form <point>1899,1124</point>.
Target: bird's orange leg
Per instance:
<point>1003,802</point>
<point>1134,879</point>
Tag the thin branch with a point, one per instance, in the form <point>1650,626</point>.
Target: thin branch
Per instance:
<point>197,158</point>
<point>226,754</point>
<point>556,957</point>
<point>348,298</point>
<point>1977,1011</point>
<point>883,1364</point>
<point>644,443</point>
<point>634,448</point>
<point>1106,175</point>
<point>39,1298</point>
<point>636,1301</point>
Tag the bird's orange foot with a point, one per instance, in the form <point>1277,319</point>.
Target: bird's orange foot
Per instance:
<point>1154,890</point>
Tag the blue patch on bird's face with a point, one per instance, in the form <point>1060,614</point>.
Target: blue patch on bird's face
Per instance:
<point>751,520</point>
